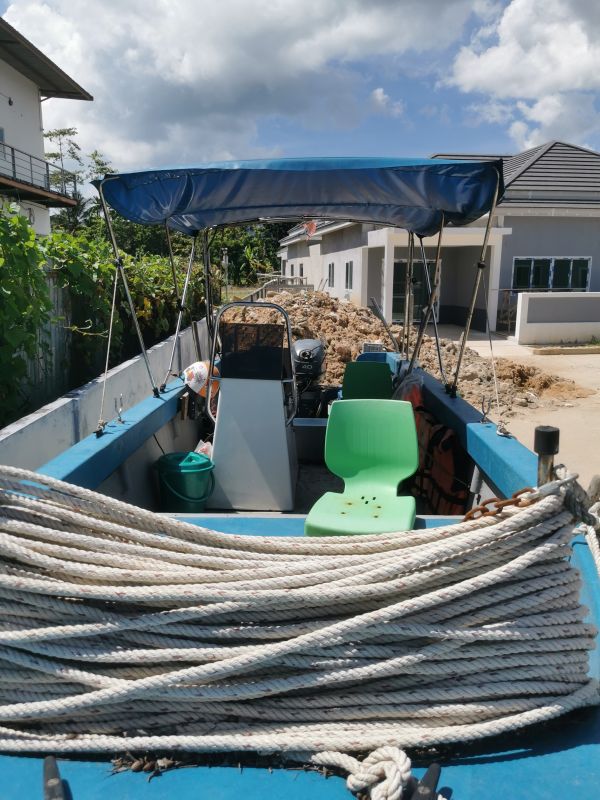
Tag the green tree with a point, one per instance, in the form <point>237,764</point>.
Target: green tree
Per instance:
<point>251,248</point>
<point>25,309</point>
<point>67,148</point>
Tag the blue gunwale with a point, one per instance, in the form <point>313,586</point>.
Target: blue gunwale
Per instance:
<point>93,459</point>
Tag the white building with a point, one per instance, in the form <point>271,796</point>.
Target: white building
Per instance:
<point>544,240</point>
<point>27,78</point>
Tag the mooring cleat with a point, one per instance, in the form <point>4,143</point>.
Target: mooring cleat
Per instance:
<point>426,788</point>
<point>54,788</point>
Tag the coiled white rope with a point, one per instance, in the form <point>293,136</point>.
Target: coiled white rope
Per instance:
<point>123,629</point>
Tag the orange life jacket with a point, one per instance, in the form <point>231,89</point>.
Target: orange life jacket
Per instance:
<point>442,479</point>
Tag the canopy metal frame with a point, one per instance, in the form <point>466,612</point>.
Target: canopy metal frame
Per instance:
<point>177,220</point>
<point>425,317</point>
<point>118,261</point>
<point>408,309</point>
<point>181,308</point>
<point>481,265</point>
<point>434,318</point>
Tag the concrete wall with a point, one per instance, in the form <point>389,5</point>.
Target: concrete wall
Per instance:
<point>458,274</point>
<point>459,271</point>
<point>344,239</point>
<point>551,237</point>
<point>38,437</point>
<point>300,253</point>
<point>550,317</point>
<point>374,281</point>
<point>23,129</point>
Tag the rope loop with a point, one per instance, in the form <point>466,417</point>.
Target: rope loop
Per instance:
<point>383,774</point>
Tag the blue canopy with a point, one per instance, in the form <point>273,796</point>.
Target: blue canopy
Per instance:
<point>417,194</point>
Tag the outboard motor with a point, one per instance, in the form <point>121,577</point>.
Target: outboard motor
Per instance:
<point>309,357</point>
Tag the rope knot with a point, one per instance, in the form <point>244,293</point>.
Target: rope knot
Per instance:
<point>383,774</point>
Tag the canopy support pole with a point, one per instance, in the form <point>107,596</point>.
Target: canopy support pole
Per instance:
<point>175,287</point>
<point>181,307</point>
<point>121,270</point>
<point>432,300</point>
<point>207,286</point>
<point>435,325</point>
<point>480,267</point>
<point>408,296</point>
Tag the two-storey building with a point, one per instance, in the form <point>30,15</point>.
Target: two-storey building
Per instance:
<point>27,79</point>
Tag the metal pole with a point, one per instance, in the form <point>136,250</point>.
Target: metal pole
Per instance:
<point>207,287</point>
<point>407,296</point>
<point>431,303</point>
<point>545,444</point>
<point>378,311</point>
<point>119,266</point>
<point>480,268</point>
<point>175,289</point>
<point>193,327</point>
<point>180,314</point>
<point>225,264</point>
<point>435,325</point>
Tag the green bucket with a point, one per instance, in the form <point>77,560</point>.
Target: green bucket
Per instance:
<point>185,481</point>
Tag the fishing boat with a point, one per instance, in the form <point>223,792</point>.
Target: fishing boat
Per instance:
<point>356,578</point>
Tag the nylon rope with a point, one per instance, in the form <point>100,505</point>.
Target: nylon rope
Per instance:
<point>125,630</point>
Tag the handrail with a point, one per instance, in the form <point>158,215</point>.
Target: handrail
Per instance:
<point>278,282</point>
<point>213,354</point>
<point>35,171</point>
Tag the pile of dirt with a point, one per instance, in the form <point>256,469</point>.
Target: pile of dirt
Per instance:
<point>344,328</point>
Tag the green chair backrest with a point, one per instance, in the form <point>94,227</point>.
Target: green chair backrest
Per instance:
<point>372,440</point>
<point>367,379</point>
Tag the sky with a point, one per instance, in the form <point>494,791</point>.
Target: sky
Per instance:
<point>185,81</point>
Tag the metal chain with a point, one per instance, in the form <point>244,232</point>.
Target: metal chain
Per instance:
<point>493,506</point>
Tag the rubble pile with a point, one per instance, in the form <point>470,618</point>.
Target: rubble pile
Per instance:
<point>345,327</point>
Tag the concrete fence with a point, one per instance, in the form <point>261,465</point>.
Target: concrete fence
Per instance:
<point>553,317</point>
<point>48,371</point>
<point>42,435</point>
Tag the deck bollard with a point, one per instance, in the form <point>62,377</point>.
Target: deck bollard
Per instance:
<point>545,444</point>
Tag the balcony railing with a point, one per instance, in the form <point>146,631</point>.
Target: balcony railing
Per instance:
<point>33,171</point>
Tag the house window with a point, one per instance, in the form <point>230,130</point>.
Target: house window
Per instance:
<point>291,270</point>
<point>330,274</point>
<point>551,274</point>
<point>348,274</point>
<point>301,270</point>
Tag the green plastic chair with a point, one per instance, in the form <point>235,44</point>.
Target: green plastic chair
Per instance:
<point>372,445</point>
<point>364,380</point>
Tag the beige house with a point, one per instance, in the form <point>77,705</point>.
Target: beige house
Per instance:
<point>545,237</point>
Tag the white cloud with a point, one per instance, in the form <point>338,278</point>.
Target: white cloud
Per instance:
<point>571,118</point>
<point>189,80</point>
<point>490,112</point>
<point>382,103</point>
<point>539,50</point>
<point>539,67</point>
